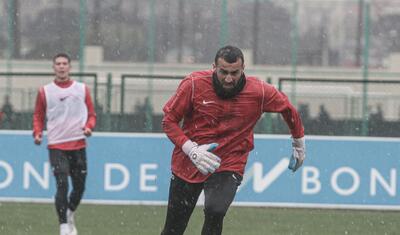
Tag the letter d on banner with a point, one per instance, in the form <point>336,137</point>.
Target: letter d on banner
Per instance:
<point>108,186</point>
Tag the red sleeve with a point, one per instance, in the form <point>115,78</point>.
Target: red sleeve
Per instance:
<point>91,121</point>
<point>174,111</point>
<point>39,113</point>
<point>276,101</point>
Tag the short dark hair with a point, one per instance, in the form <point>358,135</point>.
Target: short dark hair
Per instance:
<point>62,54</point>
<point>230,54</point>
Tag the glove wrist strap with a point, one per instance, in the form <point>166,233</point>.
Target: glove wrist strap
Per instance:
<point>188,146</point>
<point>298,142</point>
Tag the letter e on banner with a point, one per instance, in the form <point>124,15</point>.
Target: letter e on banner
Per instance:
<point>144,177</point>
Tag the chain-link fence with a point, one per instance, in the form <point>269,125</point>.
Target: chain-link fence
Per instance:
<point>341,39</point>
<point>273,32</point>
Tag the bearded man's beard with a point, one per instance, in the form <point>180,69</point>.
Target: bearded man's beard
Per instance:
<point>224,93</point>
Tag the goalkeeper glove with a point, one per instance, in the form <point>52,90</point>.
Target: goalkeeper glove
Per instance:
<point>202,157</point>
<point>298,155</point>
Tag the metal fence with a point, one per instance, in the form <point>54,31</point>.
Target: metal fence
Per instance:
<point>133,103</point>
<point>357,33</point>
<point>17,104</point>
<point>24,86</point>
<point>366,106</point>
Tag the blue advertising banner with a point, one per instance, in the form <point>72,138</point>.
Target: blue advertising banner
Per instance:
<point>345,172</point>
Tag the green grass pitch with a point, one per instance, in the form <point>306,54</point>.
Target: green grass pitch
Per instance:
<point>36,218</point>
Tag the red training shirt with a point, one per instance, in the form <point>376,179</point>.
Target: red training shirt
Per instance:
<point>230,122</point>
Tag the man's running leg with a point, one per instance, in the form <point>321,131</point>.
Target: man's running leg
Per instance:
<point>219,191</point>
<point>60,166</point>
<point>181,202</point>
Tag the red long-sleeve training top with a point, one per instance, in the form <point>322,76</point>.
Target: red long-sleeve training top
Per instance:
<point>228,122</point>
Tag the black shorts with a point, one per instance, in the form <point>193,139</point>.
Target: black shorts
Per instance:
<point>68,161</point>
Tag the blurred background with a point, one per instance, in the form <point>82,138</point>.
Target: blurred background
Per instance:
<point>337,60</point>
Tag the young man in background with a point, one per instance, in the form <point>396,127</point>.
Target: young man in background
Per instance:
<point>68,108</point>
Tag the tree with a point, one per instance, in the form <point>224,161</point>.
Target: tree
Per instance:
<point>46,37</point>
<point>387,30</point>
<point>273,31</point>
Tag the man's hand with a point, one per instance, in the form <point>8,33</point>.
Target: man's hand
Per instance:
<point>87,131</point>
<point>38,139</point>
<point>202,157</point>
<point>299,154</point>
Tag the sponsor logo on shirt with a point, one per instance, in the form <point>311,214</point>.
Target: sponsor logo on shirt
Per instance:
<point>63,98</point>
<point>208,102</point>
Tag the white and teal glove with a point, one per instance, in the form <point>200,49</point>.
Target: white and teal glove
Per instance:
<point>202,157</point>
<point>298,155</point>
